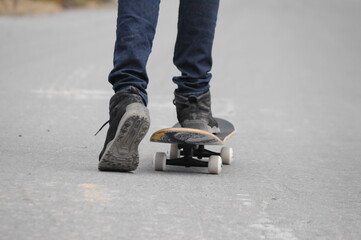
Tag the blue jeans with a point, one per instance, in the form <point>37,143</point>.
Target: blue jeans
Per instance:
<point>136,26</point>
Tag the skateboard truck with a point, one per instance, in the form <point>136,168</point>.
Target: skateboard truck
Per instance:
<point>190,155</point>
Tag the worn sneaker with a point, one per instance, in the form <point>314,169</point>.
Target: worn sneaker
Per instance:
<point>128,123</point>
<point>195,112</point>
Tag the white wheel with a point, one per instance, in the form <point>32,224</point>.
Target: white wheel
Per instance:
<point>159,161</point>
<point>174,151</point>
<point>227,155</point>
<point>215,164</point>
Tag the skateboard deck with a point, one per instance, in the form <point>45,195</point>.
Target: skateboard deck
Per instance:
<point>179,135</point>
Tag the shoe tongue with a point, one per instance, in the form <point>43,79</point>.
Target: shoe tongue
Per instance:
<point>192,99</point>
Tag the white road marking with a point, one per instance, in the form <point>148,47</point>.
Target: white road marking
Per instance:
<point>268,230</point>
<point>79,94</point>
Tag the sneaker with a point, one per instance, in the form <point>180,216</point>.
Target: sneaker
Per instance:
<point>128,123</point>
<point>195,112</point>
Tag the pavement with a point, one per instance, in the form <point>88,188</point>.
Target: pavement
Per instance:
<point>286,73</point>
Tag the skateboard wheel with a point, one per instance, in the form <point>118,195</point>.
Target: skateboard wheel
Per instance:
<point>215,164</point>
<point>159,162</point>
<point>227,155</point>
<point>174,151</point>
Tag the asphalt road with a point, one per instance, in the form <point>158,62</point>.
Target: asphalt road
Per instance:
<point>286,73</point>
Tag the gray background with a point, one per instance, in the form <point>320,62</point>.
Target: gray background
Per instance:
<point>286,73</point>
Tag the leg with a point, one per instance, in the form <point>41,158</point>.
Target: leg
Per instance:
<point>129,118</point>
<point>193,50</point>
<point>193,57</point>
<point>136,24</point>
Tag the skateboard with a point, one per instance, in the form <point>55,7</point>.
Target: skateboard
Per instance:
<point>187,147</point>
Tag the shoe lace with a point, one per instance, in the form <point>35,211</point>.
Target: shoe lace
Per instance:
<point>101,127</point>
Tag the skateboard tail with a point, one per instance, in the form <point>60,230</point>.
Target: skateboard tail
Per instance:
<point>179,135</point>
<point>185,136</point>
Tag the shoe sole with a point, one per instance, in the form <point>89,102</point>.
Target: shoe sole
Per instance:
<point>121,154</point>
